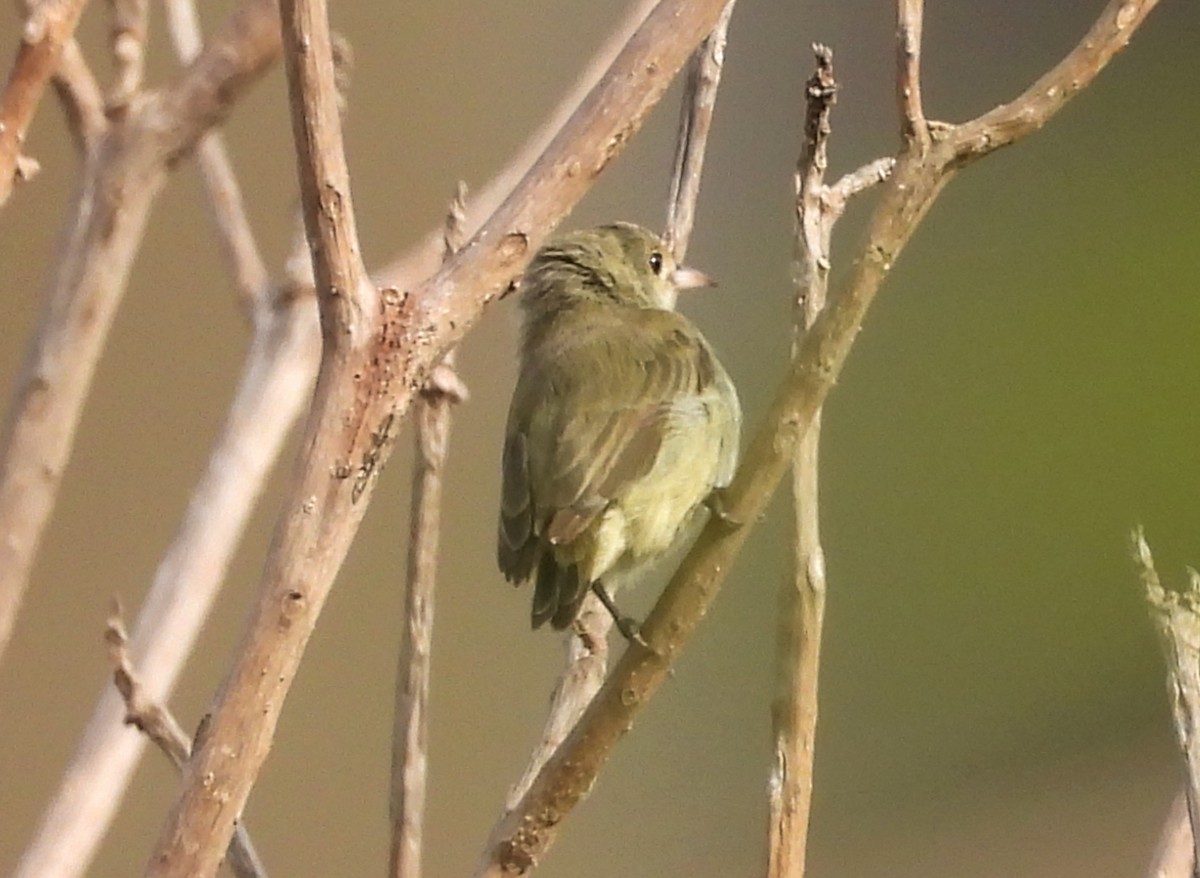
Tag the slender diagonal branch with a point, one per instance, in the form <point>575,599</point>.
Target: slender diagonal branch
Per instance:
<point>80,97</point>
<point>695,120</point>
<point>586,645</point>
<point>913,127</point>
<point>416,264</point>
<point>918,178</point>
<point>379,359</point>
<point>49,26</point>
<point>275,383</point>
<point>1176,617</point>
<point>158,724</point>
<point>410,724</point>
<point>802,602</point>
<point>104,230</point>
<point>129,30</point>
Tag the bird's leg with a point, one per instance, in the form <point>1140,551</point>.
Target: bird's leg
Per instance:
<point>626,625</point>
<point>719,507</point>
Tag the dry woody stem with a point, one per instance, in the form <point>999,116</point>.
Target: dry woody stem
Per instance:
<point>410,734</point>
<point>695,120</point>
<point>794,708</point>
<point>130,18</point>
<point>157,723</point>
<point>802,602</point>
<point>1176,617</point>
<point>586,645</point>
<point>379,345</point>
<point>104,230</point>
<point>276,379</point>
<point>918,178</point>
<point>49,26</point>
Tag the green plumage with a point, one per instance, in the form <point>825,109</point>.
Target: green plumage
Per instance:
<point>622,423</point>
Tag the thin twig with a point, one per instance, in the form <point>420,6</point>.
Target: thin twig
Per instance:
<point>917,180</point>
<point>80,97</point>
<point>913,127</point>
<point>154,720</point>
<point>104,230</point>
<point>802,602</point>
<point>223,195</point>
<point>129,26</point>
<point>585,653</point>
<point>48,26</point>
<point>857,181</point>
<point>78,92</point>
<point>347,304</point>
<point>1176,617</point>
<point>380,348</point>
<point>275,384</point>
<point>276,380</point>
<point>410,725</point>
<point>695,120</point>
<point>586,645</point>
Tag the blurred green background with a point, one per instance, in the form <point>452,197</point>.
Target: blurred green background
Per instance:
<point>1025,391</point>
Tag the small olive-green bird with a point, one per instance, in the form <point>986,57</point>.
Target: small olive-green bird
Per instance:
<point>622,423</point>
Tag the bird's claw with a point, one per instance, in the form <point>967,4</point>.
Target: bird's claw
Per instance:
<point>631,630</point>
<point>628,627</point>
<point>718,505</point>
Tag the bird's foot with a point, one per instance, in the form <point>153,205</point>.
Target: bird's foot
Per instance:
<point>628,626</point>
<point>718,505</point>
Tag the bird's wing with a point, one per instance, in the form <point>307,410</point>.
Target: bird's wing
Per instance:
<point>597,406</point>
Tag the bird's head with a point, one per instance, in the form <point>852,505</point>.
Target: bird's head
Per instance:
<point>621,263</point>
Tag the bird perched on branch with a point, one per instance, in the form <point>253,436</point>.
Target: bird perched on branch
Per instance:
<point>622,423</point>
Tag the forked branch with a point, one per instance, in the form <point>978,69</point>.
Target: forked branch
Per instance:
<point>918,178</point>
<point>379,346</point>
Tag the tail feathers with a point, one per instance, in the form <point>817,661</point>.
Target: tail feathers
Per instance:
<point>557,593</point>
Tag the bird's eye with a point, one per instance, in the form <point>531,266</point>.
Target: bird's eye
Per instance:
<point>656,262</point>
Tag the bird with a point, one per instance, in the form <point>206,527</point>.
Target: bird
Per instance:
<point>622,424</point>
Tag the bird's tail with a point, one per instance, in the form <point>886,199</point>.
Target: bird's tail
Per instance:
<point>557,594</point>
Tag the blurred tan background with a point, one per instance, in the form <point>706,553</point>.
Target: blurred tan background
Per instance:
<point>1025,391</point>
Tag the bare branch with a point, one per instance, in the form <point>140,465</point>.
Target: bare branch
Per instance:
<point>78,92</point>
<point>344,292</point>
<point>130,20</point>
<point>567,777</point>
<point>586,644</point>
<point>1010,122</point>
<point>276,383</point>
<point>104,231</point>
<point>802,602</point>
<point>80,97</point>
<point>695,119</point>
<point>586,649</point>
<point>49,25</point>
<point>856,181</point>
<point>157,723</point>
<point>914,130</point>
<point>1176,617</point>
<point>239,248</point>
<point>371,370</point>
<point>410,730</point>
